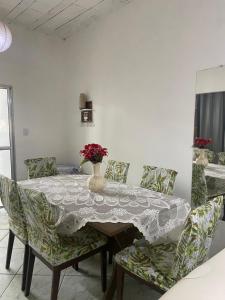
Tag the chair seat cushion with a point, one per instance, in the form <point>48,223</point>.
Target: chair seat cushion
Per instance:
<point>82,242</point>
<point>151,263</point>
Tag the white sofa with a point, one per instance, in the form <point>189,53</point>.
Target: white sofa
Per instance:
<point>207,282</point>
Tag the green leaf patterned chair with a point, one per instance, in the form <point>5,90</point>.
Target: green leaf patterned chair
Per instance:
<point>162,265</point>
<point>211,155</point>
<point>17,224</point>
<point>199,192</point>
<point>221,158</point>
<point>158,179</point>
<point>55,251</point>
<point>41,167</point>
<point>117,171</point>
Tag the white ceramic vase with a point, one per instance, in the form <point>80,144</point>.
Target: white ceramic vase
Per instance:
<point>202,158</point>
<point>96,182</point>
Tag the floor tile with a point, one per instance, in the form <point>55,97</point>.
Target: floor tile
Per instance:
<point>4,282</point>
<point>3,219</point>
<point>17,243</point>
<point>40,289</point>
<point>16,261</point>
<point>90,266</point>
<point>3,233</point>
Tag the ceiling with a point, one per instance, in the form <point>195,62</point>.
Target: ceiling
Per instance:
<point>61,18</point>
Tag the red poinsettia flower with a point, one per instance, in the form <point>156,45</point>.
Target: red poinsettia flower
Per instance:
<point>93,153</point>
<point>202,142</point>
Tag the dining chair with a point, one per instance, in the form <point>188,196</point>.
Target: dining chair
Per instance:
<point>158,179</point>
<point>17,225</point>
<point>211,155</point>
<point>41,167</point>
<point>196,153</point>
<point>199,191</point>
<point>162,266</point>
<point>117,171</point>
<point>57,252</point>
<point>221,158</point>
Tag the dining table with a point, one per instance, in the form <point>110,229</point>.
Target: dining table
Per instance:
<point>115,209</point>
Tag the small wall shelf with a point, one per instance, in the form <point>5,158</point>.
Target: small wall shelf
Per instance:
<point>86,109</point>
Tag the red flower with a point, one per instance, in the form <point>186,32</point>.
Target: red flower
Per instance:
<point>202,142</point>
<point>93,153</point>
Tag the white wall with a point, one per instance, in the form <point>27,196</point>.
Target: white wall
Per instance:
<point>211,80</point>
<point>34,66</point>
<point>139,67</point>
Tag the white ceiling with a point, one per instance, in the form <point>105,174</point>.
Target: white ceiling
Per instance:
<point>56,17</point>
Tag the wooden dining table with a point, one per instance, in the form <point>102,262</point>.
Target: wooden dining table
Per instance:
<point>120,209</point>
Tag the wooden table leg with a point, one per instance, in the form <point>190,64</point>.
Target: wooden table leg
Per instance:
<point>112,286</point>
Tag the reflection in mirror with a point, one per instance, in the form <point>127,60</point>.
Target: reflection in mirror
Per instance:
<point>208,172</point>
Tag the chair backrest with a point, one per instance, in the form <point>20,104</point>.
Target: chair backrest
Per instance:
<point>199,187</point>
<point>196,153</point>
<point>221,158</point>
<point>41,167</point>
<point>11,201</point>
<point>117,171</point>
<point>211,155</point>
<point>196,238</point>
<point>41,219</point>
<point>158,179</point>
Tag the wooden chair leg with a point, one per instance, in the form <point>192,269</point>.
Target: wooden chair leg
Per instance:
<point>25,264</point>
<point>104,269</point>
<point>30,269</point>
<point>120,282</point>
<point>55,284</point>
<point>110,257</point>
<point>9,250</point>
<point>76,266</point>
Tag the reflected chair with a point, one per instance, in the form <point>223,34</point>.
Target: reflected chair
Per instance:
<point>41,167</point>
<point>55,251</point>
<point>163,265</point>
<point>17,224</point>
<point>158,179</point>
<point>221,158</point>
<point>117,171</point>
<point>199,192</point>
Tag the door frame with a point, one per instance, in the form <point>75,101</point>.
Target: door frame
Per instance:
<point>11,129</point>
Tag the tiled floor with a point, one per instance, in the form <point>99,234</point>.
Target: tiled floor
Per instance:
<point>82,285</point>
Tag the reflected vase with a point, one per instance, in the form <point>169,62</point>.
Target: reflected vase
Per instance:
<point>96,182</point>
<point>202,158</point>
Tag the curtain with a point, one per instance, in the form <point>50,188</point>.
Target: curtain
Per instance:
<point>210,119</point>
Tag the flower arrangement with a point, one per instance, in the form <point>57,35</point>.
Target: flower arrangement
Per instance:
<point>93,153</point>
<point>202,143</point>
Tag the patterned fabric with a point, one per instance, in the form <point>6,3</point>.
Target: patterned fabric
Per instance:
<point>164,264</point>
<point>117,171</point>
<point>211,155</point>
<point>154,214</point>
<point>221,158</point>
<point>158,179</point>
<point>42,219</point>
<point>41,167</point>
<point>12,204</point>
<point>196,153</point>
<point>199,187</point>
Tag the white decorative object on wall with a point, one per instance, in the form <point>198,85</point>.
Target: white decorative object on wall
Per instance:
<point>5,37</point>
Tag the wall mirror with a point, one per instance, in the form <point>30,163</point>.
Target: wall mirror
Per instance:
<point>208,168</point>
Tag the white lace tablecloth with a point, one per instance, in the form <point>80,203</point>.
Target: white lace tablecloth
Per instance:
<point>216,171</point>
<point>154,214</point>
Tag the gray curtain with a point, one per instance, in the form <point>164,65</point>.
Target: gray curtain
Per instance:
<point>210,119</point>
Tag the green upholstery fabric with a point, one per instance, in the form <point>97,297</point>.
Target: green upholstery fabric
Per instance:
<point>12,204</point>
<point>158,179</point>
<point>199,187</point>
<point>42,220</point>
<point>221,158</point>
<point>164,264</point>
<point>41,167</point>
<point>117,171</point>
<point>211,155</point>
